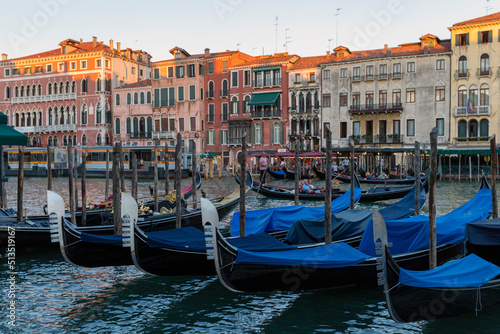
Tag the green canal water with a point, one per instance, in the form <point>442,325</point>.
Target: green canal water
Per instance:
<point>52,296</point>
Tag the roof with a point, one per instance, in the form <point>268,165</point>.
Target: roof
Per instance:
<point>271,60</point>
<point>308,62</point>
<point>138,84</point>
<point>483,19</point>
<point>410,49</point>
<point>226,53</point>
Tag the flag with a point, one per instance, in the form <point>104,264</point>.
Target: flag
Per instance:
<point>469,108</point>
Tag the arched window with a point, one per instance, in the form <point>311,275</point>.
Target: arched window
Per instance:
<point>117,99</point>
<point>28,90</point>
<point>84,114</point>
<point>149,125</point>
<point>61,112</point>
<point>148,98</point>
<point>233,107</point>
<point>84,140</point>
<point>56,116</point>
<point>98,113</point>
<point>211,89</point>
<point>484,64</point>
<point>129,99</point>
<point>28,118</point>
<point>129,125</point>
<point>73,115</point>
<point>107,113</point>
<point>68,87</point>
<point>39,90</point>
<point>49,141</point>
<point>73,87</point>
<point>22,91</point>
<point>473,97</point>
<point>61,88</point>
<point>484,128</point>
<point>136,125</point>
<point>142,125</point>
<point>33,90</point>
<point>462,66</point>
<point>117,126</point>
<point>65,141</point>
<point>99,140</point>
<point>484,95</point>
<point>136,98</point>
<point>74,140</point>
<point>246,107</point>
<point>40,118</point>
<point>67,116</point>
<point>49,113</point>
<point>473,128</point>
<point>98,85</point>
<point>84,86</point>
<point>55,141</point>
<point>106,139</point>
<point>142,98</point>
<point>22,119</point>
<point>7,92</point>
<point>224,88</point>
<point>462,96</point>
<point>49,89</point>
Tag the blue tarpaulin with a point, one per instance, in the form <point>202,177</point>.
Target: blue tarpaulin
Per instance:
<point>259,243</point>
<point>282,218</point>
<point>101,239</point>
<point>186,238</point>
<point>412,234</point>
<point>471,271</point>
<point>328,256</point>
<point>485,233</point>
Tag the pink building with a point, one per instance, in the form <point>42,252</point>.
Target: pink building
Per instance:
<point>64,94</point>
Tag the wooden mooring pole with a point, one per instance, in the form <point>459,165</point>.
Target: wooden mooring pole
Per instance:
<point>432,201</point>
<point>122,170</point>
<point>133,160</point>
<point>3,192</point>
<point>155,177</point>
<point>243,177</point>
<point>84,188</point>
<point>71,184</point>
<point>328,188</point>
<point>49,169</point>
<point>178,209</point>
<point>494,165</point>
<point>193,167</point>
<point>167,169</point>
<point>352,170</point>
<point>417,178</point>
<point>116,190</point>
<point>20,183</point>
<point>297,176</point>
<point>106,191</point>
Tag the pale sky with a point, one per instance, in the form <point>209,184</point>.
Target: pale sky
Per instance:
<point>155,26</point>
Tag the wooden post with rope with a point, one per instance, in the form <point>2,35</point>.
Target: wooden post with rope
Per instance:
<point>432,201</point>
<point>84,188</point>
<point>494,164</point>
<point>328,188</point>
<point>297,177</point>
<point>243,177</point>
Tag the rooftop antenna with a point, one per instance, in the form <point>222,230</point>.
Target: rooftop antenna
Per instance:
<point>329,40</point>
<point>276,24</point>
<point>488,7</point>
<point>337,15</point>
<point>238,46</point>
<point>287,39</point>
<point>253,50</point>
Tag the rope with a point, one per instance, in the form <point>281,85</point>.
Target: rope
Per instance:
<point>399,283</point>
<point>478,301</point>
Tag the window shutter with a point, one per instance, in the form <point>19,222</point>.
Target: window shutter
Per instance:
<point>456,39</point>
<point>220,136</point>
<point>490,36</point>
<point>478,37</point>
<point>467,39</point>
<point>272,133</point>
<point>499,35</point>
<point>237,107</point>
<point>253,134</point>
<point>230,107</point>
<point>280,140</point>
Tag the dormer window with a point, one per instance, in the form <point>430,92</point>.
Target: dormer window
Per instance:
<point>341,54</point>
<point>177,55</point>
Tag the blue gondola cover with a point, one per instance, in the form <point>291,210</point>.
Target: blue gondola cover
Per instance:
<point>469,272</point>
<point>186,238</point>
<point>261,242</point>
<point>485,233</point>
<point>101,239</point>
<point>329,256</point>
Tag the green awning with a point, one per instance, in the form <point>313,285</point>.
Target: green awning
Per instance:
<point>265,99</point>
<point>464,151</point>
<point>210,155</point>
<point>259,69</point>
<point>9,136</point>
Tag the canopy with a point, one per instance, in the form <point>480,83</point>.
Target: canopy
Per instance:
<point>186,238</point>
<point>329,256</point>
<point>350,223</point>
<point>282,218</point>
<point>259,243</point>
<point>485,233</point>
<point>209,155</point>
<point>469,272</point>
<point>9,136</point>
<point>102,239</point>
<point>264,99</point>
<point>412,234</point>
<point>312,154</point>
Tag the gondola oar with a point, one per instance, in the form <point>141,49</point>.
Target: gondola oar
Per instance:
<point>260,184</point>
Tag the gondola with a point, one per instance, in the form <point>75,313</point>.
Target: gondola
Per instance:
<point>338,264</point>
<point>35,232</point>
<point>278,175</point>
<point>407,180</point>
<point>458,287</point>
<point>86,249</point>
<point>483,239</point>
<point>177,251</point>
<point>291,175</point>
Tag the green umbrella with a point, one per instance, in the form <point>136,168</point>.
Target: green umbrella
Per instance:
<point>9,136</point>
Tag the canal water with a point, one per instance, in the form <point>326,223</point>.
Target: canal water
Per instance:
<point>52,296</point>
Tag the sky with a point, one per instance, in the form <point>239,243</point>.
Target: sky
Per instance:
<point>156,26</point>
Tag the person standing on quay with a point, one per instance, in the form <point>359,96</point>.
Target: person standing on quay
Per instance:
<point>263,166</point>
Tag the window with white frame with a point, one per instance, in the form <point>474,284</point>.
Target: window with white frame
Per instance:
<point>60,67</point>
<point>343,73</point>
<point>326,74</point>
<point>192,121</point>
<point>49,68</point>
<point>234,79</point>
<point>72,65</point>
<point>258,134</point>
<point>211,137</point>
<point>192,92</point>
<point>223,137</point>
<point>98,63</point>
<point>180,93</point>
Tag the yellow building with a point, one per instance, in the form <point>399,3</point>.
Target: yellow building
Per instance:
<point>475,70</point>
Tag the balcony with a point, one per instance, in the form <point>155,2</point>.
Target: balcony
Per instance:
<point>375,108</point>
<point>483,72</point>
<point>210,94</point>
<point>378,139</point>
<point>461,74</point>
<point>355,78</point>
<point>396,75</point>
<point>47,128</point>
<point>471,139</point>
<point>234,141</point>
<point>161,135</point>
<point>383,76</point>
<point>224,93</point>
<point>292,110</point>
<point>473,111</point>
<point>276,82</point>
<point>275,113</point>
<point>224,116</point>
<point>210,118</point>
<point>44,98</point>
<point>140,135</point>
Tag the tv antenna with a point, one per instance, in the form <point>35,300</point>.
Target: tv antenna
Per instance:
<point>329,40</point>
<point>276,43</point>
<point>337,15</point>
<point>488,7</point>
<point>287,39</point>
<point>238,46</point>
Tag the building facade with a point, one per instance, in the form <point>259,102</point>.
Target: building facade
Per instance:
<point>389,97</point>
<point>475,68</point>
<point>64,94</point>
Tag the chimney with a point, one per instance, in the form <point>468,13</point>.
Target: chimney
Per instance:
<point>4,56</point>
<point>207,52</point>
<point>81,41</point>
<point>426,49</point>
<point>94,42</point>
<point>328,53</point>
<point>118,49</point>
<point>386,47</point>
<point>111,45</point>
